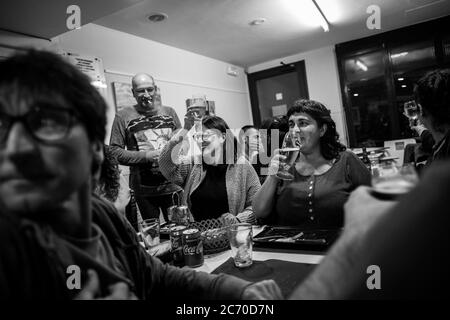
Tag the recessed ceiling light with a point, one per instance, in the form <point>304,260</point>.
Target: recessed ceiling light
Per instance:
<point>401,79</point>
<point>404,86</point>
<point>257,22</point>
<point>157,17</point>
<point>356,94</point>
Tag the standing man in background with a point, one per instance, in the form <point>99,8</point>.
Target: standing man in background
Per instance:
<point>138,135</point>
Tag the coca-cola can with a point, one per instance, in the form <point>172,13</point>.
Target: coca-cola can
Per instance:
<point>176,240</point>
<point>192,248</point>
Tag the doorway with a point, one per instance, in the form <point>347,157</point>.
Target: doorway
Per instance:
<point>273,91</point>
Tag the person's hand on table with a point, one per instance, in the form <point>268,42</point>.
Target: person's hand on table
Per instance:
<point>263,290</point>
<point>91,290</point>
<point>362,210</point>
<point>229,219</point>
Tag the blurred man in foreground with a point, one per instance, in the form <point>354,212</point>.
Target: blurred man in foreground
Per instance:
<point>52,127</point>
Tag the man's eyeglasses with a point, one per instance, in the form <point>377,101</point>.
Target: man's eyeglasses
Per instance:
<point>46,124</point>
<point>148,90</point>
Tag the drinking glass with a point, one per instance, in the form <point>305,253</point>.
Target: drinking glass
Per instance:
<point>150,232</point>
<point>391,180</point>
<point>411,110</point>
<point>291,146</point>
<point>241,242</point>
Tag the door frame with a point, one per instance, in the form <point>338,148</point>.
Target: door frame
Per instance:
<point>252,78</point>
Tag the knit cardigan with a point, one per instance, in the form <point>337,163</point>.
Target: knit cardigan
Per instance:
<point>241,180</point>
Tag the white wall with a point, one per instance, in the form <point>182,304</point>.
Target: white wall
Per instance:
<point>178,73</point>
<point>323,81</point>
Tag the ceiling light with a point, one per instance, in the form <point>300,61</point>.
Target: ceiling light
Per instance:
<point>257,22</point>
<point>360,64</point>
<point>322,19</point>
<point>306,12</point>
<point>356,94</point>
<point>157,17</point>
<point>401,79</point>
<point>398,55</point>
<point>404,86</point>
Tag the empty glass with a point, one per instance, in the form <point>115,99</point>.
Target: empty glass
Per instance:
<point>241,242</point>
<point>150,232</point>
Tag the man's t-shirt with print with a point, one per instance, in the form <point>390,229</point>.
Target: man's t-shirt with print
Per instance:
<point>131,131</point>
<point>154,132</point>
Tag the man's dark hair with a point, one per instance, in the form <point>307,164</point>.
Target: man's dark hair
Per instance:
<point>329,142</point>
<point>40,75</point>
<point>432,91</point>
<point>243,130</point>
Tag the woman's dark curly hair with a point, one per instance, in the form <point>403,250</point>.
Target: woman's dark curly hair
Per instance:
<point>109,183</point>
<point>330,147</point>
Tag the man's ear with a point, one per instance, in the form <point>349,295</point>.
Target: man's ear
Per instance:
<point>323,129</point>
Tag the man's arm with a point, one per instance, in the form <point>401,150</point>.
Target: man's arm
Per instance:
<point>408,242</point>
<point>118,143</point>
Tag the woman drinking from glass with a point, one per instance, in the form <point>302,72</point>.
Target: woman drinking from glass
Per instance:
<point>219,183</point>
<point>324,174</point>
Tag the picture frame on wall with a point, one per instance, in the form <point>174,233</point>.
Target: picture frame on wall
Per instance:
<point>123,95</point>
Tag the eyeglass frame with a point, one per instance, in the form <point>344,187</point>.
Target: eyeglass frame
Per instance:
<point>198,137</point>
<point>73,116</point>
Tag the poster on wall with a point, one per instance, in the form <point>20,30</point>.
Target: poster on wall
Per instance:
<point>123,95</point>
<point>90,66</point>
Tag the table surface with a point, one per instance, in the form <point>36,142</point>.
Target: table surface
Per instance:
<point>215,260</point>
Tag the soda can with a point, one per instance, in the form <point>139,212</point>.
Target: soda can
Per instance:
<point>192,248</point>
<point>176,241</point>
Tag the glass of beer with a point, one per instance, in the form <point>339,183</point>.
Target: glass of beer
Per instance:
<point>391,180</point>
<point>411,110</point>
<point>291,147</point>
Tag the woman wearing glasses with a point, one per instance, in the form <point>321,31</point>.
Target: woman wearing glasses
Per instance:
<point>217,182</point>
